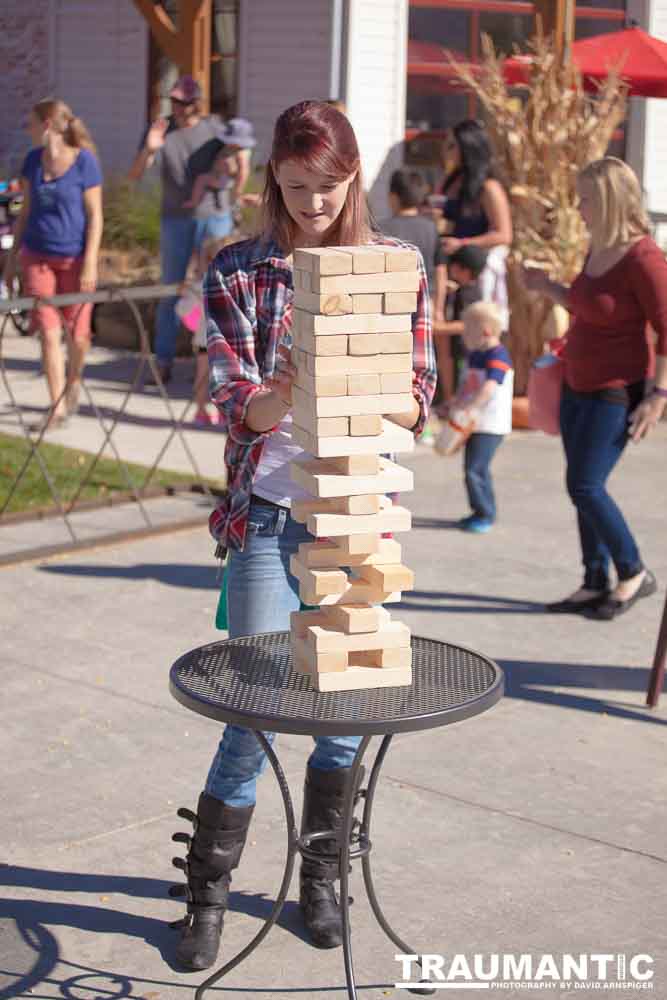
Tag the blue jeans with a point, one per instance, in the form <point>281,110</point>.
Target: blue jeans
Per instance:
<point>479,451</point>
<point>179,237</point>
<point>595,433</point>
<point>261,593</point>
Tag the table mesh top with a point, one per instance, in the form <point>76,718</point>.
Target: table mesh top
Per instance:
<point>250,681</point>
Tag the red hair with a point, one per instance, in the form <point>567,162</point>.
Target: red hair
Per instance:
<point>319,138</point>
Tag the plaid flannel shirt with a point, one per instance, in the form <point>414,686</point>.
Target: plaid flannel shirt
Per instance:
<point>248,294</point>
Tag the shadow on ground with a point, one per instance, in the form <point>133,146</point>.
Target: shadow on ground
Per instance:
<point>173,574</point>
<point>543,682</point>
<point>29,950</point>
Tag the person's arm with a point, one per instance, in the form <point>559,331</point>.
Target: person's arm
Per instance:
<point>497,209</point>
<point>201,182</point>
<point>9,272</point>
<point>424,373</point>
<point>536,280</point>
<point>440,293</point>
<point>243,158</point>
<point>92,201</point>
<point>482,396</point>
<point>153,142</point>
<point>451,328</point>
<point>251,406</point>
<point>647,272</point>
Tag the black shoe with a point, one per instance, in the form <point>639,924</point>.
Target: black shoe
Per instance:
<point>568,607</point>
<point>611,607</point>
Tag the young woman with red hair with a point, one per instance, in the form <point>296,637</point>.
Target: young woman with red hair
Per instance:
<point>313,197</point>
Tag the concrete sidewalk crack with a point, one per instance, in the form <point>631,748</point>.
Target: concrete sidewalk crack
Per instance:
<point>527,819</point>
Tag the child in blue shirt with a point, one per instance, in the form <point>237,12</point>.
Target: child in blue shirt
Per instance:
<point>485,396</point>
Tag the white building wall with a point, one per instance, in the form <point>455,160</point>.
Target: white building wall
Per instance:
<point>375,89</point>
<point>99,59</point>
<point>286,54</point>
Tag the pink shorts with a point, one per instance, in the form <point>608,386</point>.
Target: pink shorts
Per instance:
<point>45,275</point>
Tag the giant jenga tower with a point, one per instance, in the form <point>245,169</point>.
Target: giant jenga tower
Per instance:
<point>352,348</point>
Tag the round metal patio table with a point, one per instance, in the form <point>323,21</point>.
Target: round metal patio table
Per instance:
<point>249,681</point>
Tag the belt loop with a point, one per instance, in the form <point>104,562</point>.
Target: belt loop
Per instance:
<point>282,521</point>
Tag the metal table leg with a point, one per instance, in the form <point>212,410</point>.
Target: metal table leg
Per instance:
<point>366,863</point>
<point>292,840</point>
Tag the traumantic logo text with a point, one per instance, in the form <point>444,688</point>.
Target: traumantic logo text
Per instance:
<point>589,972</point>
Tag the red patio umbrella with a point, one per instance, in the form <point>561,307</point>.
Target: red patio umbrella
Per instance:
<point>640,59</point>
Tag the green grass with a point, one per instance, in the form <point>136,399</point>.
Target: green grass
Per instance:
<point>67,467</point>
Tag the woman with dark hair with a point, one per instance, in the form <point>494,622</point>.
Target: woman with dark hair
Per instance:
<point>313,197</point>
<point>58,238</point>
<point>477,211</point>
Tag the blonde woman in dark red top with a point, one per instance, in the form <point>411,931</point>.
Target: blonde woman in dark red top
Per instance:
<point>619,296</point>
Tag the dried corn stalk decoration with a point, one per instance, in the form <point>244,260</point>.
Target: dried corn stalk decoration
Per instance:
<point>541,143</point>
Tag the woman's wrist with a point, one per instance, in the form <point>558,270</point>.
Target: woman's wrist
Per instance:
<point>659,391</point>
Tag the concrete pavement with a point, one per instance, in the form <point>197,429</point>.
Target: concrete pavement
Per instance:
<point>538,827</point>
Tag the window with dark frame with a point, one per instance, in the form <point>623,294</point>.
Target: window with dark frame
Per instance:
<point>436,102</point>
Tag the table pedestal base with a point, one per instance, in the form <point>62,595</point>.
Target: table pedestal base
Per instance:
<point>354,843</point>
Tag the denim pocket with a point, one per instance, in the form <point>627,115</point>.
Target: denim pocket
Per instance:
<point>264,521</point>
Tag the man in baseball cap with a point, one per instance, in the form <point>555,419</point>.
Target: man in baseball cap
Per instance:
<point>186,90</point>
<point>185,151</point>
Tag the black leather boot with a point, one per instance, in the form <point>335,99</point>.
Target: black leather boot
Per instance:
<point>323,799</point>
<point>215,849</point>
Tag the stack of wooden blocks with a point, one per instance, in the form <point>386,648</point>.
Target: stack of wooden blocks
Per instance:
<point>352,348</point>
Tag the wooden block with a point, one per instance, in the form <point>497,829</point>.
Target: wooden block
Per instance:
<point>358,365</point>
<point>354,284</point>
<point>299,621</point>
<point>324,303</point>
<point>381,658</point>
<point>367,303</point>
<point>325,554</point>
<point>320,582</point>
<point>365,504</point>
<point>359,678</point>
<point>366,260</point>
<point>370,504</point>
<point>353,618</point>
<point>347,406</point>
<point>323,346</point>
<point>395,635</point>
<point>359,545</point>
<point>356,465</point>
<point>389,577</point>
<point>395,518</point>
<point>321,427</point>
<point>400,302</point>
<point>380,343</point>
<point>392,439</point>
<point>358,592</point>
<point>305,661</point>
<point>321,478</point>
<point>364,343</point>
<point>400,259</point>
<point>301,509</point>
<point>321,385</point>
<point>302,281</point>
<point>363,385</point>
<point>320,326</point>
<point>365,425</point>
<point>323,260</point>
<point>396,381</point>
